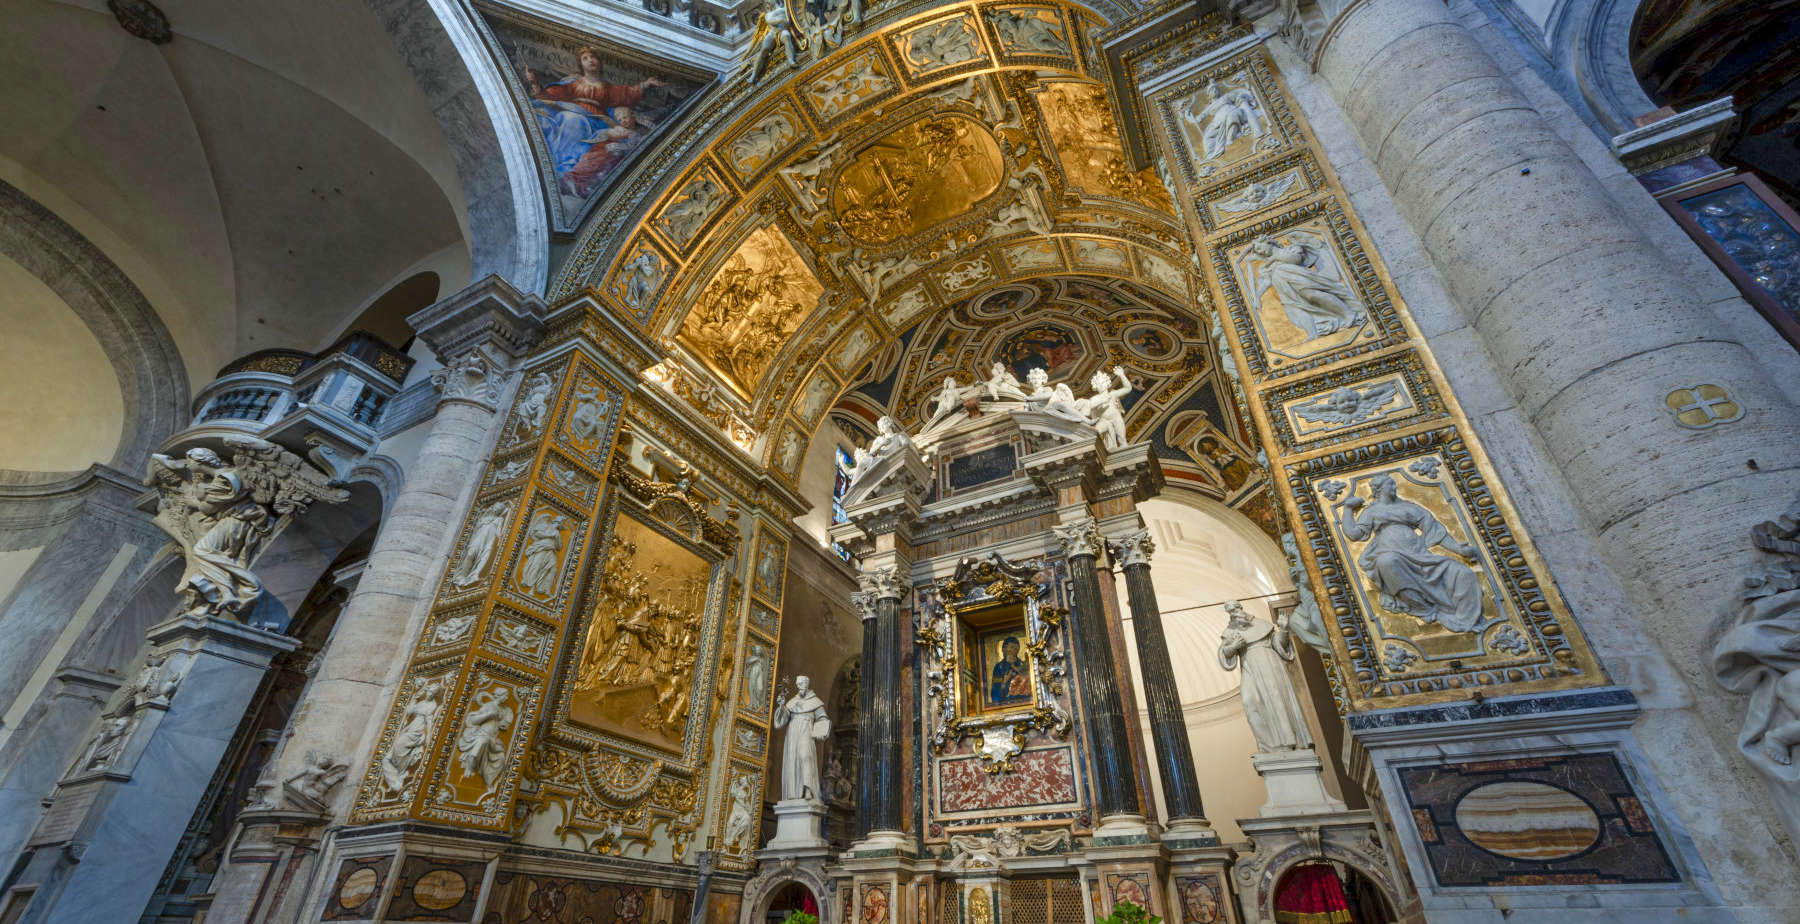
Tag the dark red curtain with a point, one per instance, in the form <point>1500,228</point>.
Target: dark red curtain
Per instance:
<point>1312,895</point>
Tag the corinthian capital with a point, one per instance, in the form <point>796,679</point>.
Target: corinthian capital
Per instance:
<point>471,377</point>
<point>1132,549</point>
<point>1081,537</point>
<point>882,583</point>
<point>864,604</point>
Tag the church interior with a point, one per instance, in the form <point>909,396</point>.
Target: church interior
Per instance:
<point>899,461</point>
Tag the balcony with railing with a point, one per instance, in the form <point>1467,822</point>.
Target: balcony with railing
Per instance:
<point>291,396</point>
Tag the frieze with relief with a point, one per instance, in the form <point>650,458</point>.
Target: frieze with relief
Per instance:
<point>1352,402</point>
<point>1227,118</point>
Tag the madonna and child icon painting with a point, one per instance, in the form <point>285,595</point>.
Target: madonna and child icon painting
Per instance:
<point>1007,672</point>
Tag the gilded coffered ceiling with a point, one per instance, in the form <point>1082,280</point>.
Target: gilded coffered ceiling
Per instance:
<point>925,161</point>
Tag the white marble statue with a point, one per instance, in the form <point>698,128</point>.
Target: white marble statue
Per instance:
<point>949,398</point>
<point>221,514</point>
<point>1104,409</point>
<point>1760,655</point>
<point>484,539</point>
<point>481,745</point>
<point>1002,384</point>
<point>889,439</point>
<point>411,738</point>
<point>1311,295</point>
<point>1229,114</point>
<point>1410,577</point>
<point>1063,403</point>
<point>1262,648</point>
<point>804,717</point>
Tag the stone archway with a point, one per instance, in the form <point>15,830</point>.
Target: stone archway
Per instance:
<point>761,892</point>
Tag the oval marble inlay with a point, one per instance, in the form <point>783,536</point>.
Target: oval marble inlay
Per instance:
<point>357,887</point>
<point>1527,821</point>
<point>440,889</point>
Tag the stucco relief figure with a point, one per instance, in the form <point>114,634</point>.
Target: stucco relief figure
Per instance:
<point>803,715</point>
<point>1760,656</point>
<point>1261,648</point>
<point>1348,405</point>
<point>542,563</point>
<point>481,745</point>
<point>535,405</point>
<point>1230,114</point>
<point>410,740</point>
<point>642,275</point>
<point>589,414</point>
<point>741,817</point>
<point>1306,285</point>
<point>756,678</point>
<point>484,539</point>
<point>221,514</point>
<point>1104,409</point>
<point>1257,195</point>
<point>319,774</point>
<point>1410,577</point>
<point>1023,30</point>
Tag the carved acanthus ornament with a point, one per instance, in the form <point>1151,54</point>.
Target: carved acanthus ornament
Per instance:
<point>1133,549</point>
<point>1081,537</point>
<point>471,377</point>
<point>222,514</point>
<point>882,583</point>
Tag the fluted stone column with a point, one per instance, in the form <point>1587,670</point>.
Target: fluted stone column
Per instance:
<point>879,778</point>
<point>1538,257</point>
<point>1102,709</point>
<point>1174,755</point>
<point>477,333</point>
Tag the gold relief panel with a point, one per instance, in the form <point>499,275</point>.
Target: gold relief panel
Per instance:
<point>765,619</point>
<point>450,628</point>
<point>1079,118</point>
<point>635,677</point>
<point>749,740</point>
<point>1097,253</point>
<point>768,566</point>
<point>545,553</point>
<point>696,202</point>
<point>569,479</point>
<point>1227,117</point>
<point>1253,194</point>
<point>1352,402</point>
<point>964,276</point>
<point>915,178</point>
<point>1032,256</point>
<point>531,409</point>
<point>407,739</point>
<point>588,420</point>
<point>475,772</point>
<point>940,45</point>
<point>815,397</point>
<point>1430,591</point>
<point>740,810</point>
<point>758,677</point>
<point>764,141</point>
<point>1030,32</point>
<point>1303,292</point>
<point>900,311</point>
<point>530,641</point>
<point>482,545</point>
<point>746,313</point>
<point>638,278</point>
<point>856,82</point>
<point>855,346</point>
<point>1163,273</point>
<point>786,451</point>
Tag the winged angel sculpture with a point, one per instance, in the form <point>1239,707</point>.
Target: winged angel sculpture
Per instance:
<point>223,513</point>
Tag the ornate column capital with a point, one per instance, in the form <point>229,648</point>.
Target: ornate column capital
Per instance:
<point>881,583</point>
<point>1081,537</point>
<point>1132,549</point>
<point>864,603</point>
<point>471,378</point>
<point>488,313</point>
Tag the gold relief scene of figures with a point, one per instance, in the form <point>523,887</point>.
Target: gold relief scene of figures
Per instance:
<point>750,308</point>
<point>635,676</point>
<point>919,176</point>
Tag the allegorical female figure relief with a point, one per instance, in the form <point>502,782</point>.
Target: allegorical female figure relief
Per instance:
<point>1399,560</point>
<point>1311,296</point>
